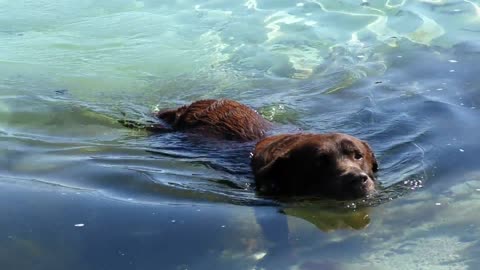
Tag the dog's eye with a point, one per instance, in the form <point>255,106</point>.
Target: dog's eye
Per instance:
<point>357,155</point>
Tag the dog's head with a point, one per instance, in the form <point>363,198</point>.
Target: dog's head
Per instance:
<point>333,165</point>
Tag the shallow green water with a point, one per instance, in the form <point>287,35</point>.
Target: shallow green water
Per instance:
<point>79,191</point>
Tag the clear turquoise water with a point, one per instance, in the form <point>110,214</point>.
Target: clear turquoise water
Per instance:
<point>79,191</point>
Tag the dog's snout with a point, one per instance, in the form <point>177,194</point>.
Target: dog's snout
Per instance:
<point>356,177</point>
<point>363,177</point>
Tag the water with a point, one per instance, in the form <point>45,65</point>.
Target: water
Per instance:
<point>79,191</point>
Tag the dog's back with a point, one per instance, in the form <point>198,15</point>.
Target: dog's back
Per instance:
<point>226,119</point>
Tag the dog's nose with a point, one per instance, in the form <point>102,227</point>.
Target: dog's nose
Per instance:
<point>363,177</point>
<point>357,177</point>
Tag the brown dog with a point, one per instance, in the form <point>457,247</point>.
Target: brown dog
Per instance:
<point>332,165</point>
<point>223,118</point>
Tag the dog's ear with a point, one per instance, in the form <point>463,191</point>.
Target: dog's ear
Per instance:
<point>273,167</point>
<point>374,163</point>
<point>372,157</point>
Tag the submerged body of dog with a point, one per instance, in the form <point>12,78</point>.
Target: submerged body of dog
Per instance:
<point>334,165</point>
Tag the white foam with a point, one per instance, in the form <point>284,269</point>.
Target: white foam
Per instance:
<point>251,4</point>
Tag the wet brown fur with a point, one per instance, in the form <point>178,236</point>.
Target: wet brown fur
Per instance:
<point>223,118</point>
<point>333,165</point>
<point>288,164</point>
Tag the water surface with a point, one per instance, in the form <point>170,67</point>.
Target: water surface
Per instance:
<point>79,191</point>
